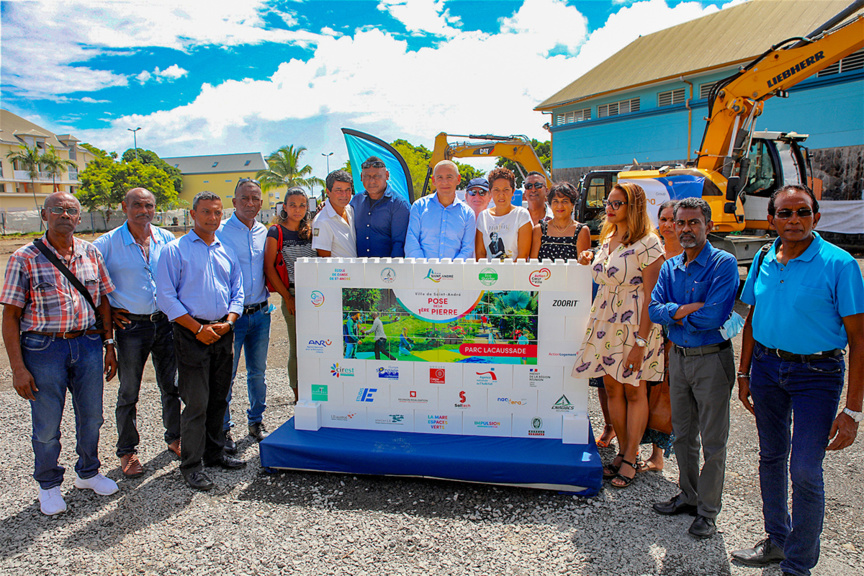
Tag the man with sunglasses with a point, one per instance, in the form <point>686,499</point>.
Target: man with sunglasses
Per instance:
<point>380,216</point>
<point>806,300</point>
<point>131,252</point>
<point>49,329</point>
<point>246,237</point>
<point>536,194</point>
<point>477,195</point>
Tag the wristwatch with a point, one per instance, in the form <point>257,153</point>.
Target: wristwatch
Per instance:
<point>110,341</point>
<point>641,342</point>
<point>856,416</point>
<point>230,323</point>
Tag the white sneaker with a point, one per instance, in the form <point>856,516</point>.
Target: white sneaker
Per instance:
<point>51,501</point>
<point>98,483</point>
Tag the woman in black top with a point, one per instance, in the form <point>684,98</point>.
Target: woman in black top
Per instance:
<point>561,238</point>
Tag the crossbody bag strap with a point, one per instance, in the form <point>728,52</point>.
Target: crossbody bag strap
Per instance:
<point>67,273</point>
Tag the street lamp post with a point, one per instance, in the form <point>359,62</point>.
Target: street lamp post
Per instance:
<point>327,156</point>
<point>135,139</point>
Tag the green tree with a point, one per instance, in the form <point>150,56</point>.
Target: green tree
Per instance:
<point>150,158</point>
<point>544,153</point>
<point>98,152</point>
<point>417,159</point>
<point>360,299</point>
<point>55,165</point>
<point>285,170</point>
<point>104,184</point>
<point>28,159</point>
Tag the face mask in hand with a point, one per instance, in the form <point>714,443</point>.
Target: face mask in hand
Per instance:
<point>732,326</point>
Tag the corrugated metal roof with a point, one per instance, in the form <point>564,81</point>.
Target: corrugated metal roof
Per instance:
<point>727,37</point>
<point>219,163</point>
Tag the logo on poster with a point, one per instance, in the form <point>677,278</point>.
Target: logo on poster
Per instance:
<point>437,276</point>
<point>342,417</point>
<point>391,419</point>
<point>337,371</point>
<point>537,425</point>
<point>535,376</point>
<point>437,422</point>
<point>537,277</point>
<point>463,401</point>
<point>340,275</point>
<point>513,401</point>
<point>487,424</point>
<point>388,372</point>
<point>388,275</point>
<point>365,394</point>
<point>412,398</point>
<point>320,393</point>
<point>488,276</point>
<point>317,298</point>
<point>563,405</point>
<point>317,346</point>
<point>437,375</point>
<point>486,378</point>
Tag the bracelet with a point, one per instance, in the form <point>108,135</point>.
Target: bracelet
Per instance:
<point>743,375</point>
<point>200,328</point>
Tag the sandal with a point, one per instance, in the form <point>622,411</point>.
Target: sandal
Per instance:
<point>647,466</point>
<point>626,481</point>
<point>611,470</point>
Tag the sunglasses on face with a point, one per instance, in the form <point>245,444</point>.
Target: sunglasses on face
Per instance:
<point>531,185</point>
<point>615,204</point>
<point>785,214</point>
<point>57,210</point>
<point>477,191</point>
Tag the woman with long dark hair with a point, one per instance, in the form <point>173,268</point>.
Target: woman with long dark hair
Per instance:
<point>294,226</point>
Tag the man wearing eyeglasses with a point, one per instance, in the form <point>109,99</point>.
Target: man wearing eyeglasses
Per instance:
<point>246,237</point>
<point>131,252</point>
<point>536,194</point>
<point>333,233</point>
<point>693,298</point>
<point>380,217</point>
<point>806,300</point>
<point>477,195</point>
<point>49,329</point>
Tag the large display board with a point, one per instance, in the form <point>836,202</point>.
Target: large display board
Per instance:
<point>470,348</point>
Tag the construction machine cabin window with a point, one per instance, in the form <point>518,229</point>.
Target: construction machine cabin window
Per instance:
<point>671,97</point>
<point>616,108</point>
<point>762,178</point>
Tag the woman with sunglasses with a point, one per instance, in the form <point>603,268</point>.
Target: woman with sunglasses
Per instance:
<point>477,195</point>
<point>293,224</point>
<point>561,238</point>
<point>621,343</point>
<point>503,230</point>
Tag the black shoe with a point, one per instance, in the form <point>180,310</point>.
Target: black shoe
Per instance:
<point>674,506</point>
<point>230,446</point>
<point>227,462</point>
<point>703,527</point>
<point>764,553</point>
<point>199,481</point>
<point>257,431</point>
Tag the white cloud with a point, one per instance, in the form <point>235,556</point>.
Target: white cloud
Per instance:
<point>171,73</point>
<point>422,16</point>
<point>89,100</point>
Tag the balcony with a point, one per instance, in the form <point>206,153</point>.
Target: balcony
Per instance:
<point>71,176</point>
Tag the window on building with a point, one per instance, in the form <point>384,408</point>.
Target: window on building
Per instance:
<point>616,108</point>
<point>571,117</point>
<point>176,165</point>
<point>705,90</point>
<point>73,153</point>
<point>852,62</point>
<point>671,97</point>
<point>215,164</point>
<point>247,162</point>
<point>206,181</point>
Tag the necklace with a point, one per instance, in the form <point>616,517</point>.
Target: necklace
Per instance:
<point>558,227</point>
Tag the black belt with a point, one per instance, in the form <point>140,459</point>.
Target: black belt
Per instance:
<point>703,350</point>
<point>154,317</point>
<point>252,308</point>
<point>790,357</point>
<point>219,321</point>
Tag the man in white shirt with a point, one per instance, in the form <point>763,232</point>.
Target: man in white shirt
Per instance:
<point>333,232</point>
<point>536,194</point>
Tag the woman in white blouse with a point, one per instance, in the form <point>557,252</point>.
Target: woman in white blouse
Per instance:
<point>503,230</point>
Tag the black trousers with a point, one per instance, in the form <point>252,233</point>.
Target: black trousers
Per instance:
<point>204,374</point>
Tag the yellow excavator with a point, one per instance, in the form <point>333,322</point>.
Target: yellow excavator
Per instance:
<point>736,168</point>
<point>516,148</point>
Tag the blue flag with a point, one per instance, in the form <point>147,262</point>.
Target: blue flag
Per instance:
<point>361,146</point>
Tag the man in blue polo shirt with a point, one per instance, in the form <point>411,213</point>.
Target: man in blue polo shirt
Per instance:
<point>441,225</point>
<point>693,298</point>
<point>807,303</point>
<point>131,252</point>
<point>380,217</point>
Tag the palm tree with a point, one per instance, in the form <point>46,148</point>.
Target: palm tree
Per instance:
<point>55,165</point>
<point>28,159</point>
<point>284,170</point>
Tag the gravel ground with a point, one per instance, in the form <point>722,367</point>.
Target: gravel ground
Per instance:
<point>308,523</point>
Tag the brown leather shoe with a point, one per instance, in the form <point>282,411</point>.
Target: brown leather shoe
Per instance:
<point>175,448</point>
<point>131,466</point>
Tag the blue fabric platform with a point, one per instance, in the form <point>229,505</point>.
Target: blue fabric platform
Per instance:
<point>522,462</point>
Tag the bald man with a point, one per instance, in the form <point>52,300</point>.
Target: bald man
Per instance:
<point>54,345</point>
<point>131,252</point>
<point>441,225</point>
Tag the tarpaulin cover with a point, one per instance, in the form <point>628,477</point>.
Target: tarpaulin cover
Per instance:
<point>524,462</point>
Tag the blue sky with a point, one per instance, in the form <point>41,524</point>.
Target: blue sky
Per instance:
<point>216,76</point>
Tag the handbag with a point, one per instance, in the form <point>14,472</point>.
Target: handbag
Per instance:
<point>100,326</point>
<point>279,265</point>
<point>659,403</point>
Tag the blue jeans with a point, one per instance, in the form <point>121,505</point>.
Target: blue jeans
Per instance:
<point>252,335</point>
<point>810,391</point>
<point>58,365</point>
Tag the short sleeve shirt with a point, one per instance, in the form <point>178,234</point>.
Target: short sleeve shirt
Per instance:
<point>333,233</point>
<point>506,228</point>
<point>50,302</point>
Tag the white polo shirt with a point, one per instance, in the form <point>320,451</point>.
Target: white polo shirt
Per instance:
<point>332,233</point>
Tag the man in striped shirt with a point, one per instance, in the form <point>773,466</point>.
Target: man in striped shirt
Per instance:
<point>50,333</point>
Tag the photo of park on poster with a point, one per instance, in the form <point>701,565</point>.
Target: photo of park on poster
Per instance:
<point>488,327</point>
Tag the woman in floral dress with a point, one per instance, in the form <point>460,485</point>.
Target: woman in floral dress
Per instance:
<point>621,343</point>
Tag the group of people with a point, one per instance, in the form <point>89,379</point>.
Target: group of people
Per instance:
<point>660,315</point>
<point>663,314</point>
